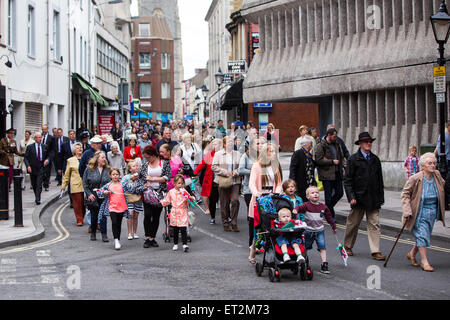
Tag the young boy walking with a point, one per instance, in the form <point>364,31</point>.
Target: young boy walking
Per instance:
<point>315,231</point>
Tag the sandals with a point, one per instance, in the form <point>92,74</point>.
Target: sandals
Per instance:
<point>251,260</point>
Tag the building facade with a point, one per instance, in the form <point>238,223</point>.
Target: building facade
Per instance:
<point>153,70</point>
<point>367,64</point>
<point>168,9</point>
<point>35,39</point>
<point>220,52</point>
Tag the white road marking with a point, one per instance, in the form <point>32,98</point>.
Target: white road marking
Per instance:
<point>58,291</point>
<point>8,271</point>
<point>217,237</point>
<point>51,278</point>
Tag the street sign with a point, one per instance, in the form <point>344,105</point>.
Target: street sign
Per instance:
<point>440,84</point>
<point>237,66</point>
<point>439,71</point>
<point>440,97</point>
<point>228,78</point>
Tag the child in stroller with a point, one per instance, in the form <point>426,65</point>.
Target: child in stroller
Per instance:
<point>277,254</point>
<point>285,239</point>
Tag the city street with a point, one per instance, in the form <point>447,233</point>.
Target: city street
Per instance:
<point>67,265</point>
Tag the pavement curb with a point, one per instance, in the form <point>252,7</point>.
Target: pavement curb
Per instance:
<point>341,218</point>
<point>39,233</point>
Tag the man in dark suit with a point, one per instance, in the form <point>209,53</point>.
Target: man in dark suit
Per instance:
<point>49,141</point>
<point>37,160</point>
<point>60,139</point>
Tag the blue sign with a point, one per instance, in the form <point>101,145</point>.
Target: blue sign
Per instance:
<point>132,107</point>
<point>262,105</point>
<point>189,117</point>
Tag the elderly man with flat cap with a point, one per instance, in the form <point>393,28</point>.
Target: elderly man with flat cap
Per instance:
<point>364,187</point>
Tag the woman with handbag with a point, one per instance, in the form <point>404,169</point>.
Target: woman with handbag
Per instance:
<point>225,165</point>
<point>134,200</point>
<point>266,176</point>
<point>95,176</point>
<point>73,177</point>
<point>210,189</point>
<point>156,173</point>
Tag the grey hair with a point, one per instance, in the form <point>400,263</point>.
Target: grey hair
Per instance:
<point>76,144</point>
<point>426,156</point>
<point>304,142</point>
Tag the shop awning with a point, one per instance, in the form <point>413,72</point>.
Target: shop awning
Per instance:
<point>233,97</point>
<point>136,106</point>
<point>93,94</point>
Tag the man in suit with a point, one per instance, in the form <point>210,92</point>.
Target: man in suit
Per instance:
<point>37,160</point>
<point>60,140</point>
<point>49,141</point>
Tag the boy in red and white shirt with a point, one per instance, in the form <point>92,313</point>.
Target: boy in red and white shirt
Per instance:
<point>314,213</point>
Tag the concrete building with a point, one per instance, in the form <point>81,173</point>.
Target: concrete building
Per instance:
<point>35,39</point>
<point>367,64</point>
<point>153,72</point>
<point>220,48</point>
<point>168,9</point>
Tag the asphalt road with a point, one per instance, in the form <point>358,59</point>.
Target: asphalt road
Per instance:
<point>67,265</point>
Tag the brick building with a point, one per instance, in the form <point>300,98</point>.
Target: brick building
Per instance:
<point>152,76</point>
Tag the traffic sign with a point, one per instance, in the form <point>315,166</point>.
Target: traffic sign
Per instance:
<point>440,84</point>
<point>440,97</point>
<point>439,71</point>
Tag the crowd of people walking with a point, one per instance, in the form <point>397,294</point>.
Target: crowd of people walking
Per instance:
<point>172,164</point>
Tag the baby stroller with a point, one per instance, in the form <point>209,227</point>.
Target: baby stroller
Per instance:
<point>266,212</point>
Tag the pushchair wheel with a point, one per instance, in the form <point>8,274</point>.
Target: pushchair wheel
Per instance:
<point>165,238</point>
<point>309,274</point>
<point>259,269</point>
<point>189,239</point>
<point>302,273</point>
<point>274,274</point>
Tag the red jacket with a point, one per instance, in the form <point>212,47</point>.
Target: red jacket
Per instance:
<point>208,179</point>
<point>127,155</point>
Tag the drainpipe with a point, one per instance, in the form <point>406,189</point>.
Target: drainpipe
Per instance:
<point>48,59</point>
<point>69,100</point>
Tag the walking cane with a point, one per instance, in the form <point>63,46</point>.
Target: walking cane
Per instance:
<point>398,237</point>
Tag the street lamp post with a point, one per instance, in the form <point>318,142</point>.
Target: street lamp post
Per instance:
<point>219,80</point>
<point>205,92</point>
<point>441,29</point>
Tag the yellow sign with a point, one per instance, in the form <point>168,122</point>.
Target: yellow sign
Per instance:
<point>439,71</point>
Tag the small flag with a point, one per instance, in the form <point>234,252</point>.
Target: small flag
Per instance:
<point>340,248</point>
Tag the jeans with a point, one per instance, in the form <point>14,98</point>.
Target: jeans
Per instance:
<point>334,191</point>
<point>94,221</point>
<point>318,237</point>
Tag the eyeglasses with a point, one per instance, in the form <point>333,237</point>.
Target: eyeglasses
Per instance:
<point>431,163</point>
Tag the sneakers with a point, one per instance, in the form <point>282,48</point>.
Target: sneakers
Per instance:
<point>147,243</point>
<point>130,236</point>
<point>286,258</point>
<point>300,259</point>
<point>175,247</point>
<point>324,268</point>
<point>212,221</point>
<point>135,236</point>
<point>117,245</point>
<point>185,248</point>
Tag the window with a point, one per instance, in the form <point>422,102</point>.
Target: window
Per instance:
<point>111,59</point>
<point>56,37</point>
<point>165,90</point>
<point>81,55</point>
<point>145,90</point>
<point>12,24</point>
<point>144,30</point>
<point>31,49</point>
<point>165,61</point>
<point>144,60</point>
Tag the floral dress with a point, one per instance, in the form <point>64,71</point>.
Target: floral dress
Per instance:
<point>179,213</point>
<point>428,213</point>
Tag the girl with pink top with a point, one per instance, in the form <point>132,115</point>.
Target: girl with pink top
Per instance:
<point>179,219</point>
<point>115,204</point>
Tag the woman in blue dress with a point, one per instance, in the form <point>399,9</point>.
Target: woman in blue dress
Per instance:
<point>423,202</point>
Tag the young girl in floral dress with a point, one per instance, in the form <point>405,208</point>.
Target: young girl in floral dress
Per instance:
<point>178,197</point>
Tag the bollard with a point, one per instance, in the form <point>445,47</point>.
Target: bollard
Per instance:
<point>4,194</point>
<point>18,212</point>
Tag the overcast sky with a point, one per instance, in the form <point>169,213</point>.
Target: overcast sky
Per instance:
<point>194,32</point>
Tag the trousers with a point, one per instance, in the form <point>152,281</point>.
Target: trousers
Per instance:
<point>229,197</point>
<point>373,228</point>
<point>116,224</point>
